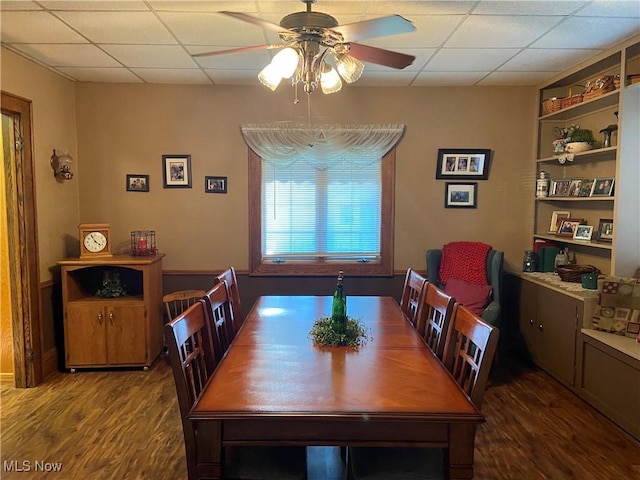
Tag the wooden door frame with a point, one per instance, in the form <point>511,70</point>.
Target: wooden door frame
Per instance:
<point>23,246</point>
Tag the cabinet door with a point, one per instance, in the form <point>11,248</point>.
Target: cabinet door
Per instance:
<point>528,316</point>
<point>557,319</point>
<point>84,332</point>
<point>126,334</point>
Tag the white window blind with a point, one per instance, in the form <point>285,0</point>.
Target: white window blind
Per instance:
<point>311,212</point>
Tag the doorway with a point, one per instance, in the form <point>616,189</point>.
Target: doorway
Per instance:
<point>21,237</point>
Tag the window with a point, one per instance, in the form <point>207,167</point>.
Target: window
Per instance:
<point>306,220</point>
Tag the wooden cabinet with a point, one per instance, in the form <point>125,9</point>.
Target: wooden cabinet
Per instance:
<point>549,322</point>
<point>112,332</point>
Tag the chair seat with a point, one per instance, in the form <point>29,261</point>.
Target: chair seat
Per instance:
<point>396,463</point>
<point>265,463</point>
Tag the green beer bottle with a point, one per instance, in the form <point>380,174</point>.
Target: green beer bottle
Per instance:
<point>339,307</point>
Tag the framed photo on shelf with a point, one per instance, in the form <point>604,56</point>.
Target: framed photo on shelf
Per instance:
<point>215,184</point>
<point>602,187</point>
<point>176,171</point>
<point>574,187</point>
<point>137,183</point>
<point>560,188</point>
<point>556,216</point>
<point>605,230</point>
<point>463,163</point>
<point>568,227</point>
<point>460,195</point>
<point>583,232</point>
<point>586,186</point>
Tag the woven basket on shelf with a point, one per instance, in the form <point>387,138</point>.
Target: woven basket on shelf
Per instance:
<point>572,99</point>
<point>551,105</point>
<point>599,86</point>
<point>573,273</point>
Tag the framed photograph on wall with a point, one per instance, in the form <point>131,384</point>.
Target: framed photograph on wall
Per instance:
<point>583,232</point>
<point>215,184</point>
<point>460,195</point>
<point>137,183</point>
<point>176,171</point>
<point>605,230</point>
<point>463,163</point>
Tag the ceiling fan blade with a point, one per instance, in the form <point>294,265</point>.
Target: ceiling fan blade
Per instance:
<point>380,56</point>
<point>377,27</point>
<point>257,21</point>
<point>237,50</point>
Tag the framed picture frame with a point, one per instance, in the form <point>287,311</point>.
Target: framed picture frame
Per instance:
<point>574,187</point>
<point>560,188</point>
<point>605,230</point>
<point>137,182</point>
<point>568,227</point>
<point>215,184</point>
<point>460,195</point>
<point>463,163</point>
<point>586,187</point>
<point>176,171</point>
<point>583,233</point>
<point>555,218</point>
<point>602,187</point>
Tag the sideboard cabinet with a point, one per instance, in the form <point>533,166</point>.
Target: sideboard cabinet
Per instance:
<point>112,332</point>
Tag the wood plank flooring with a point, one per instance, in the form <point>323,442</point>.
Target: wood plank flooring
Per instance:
<point>126,425</point>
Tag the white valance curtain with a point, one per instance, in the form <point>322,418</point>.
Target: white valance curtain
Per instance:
<point>321,145</point>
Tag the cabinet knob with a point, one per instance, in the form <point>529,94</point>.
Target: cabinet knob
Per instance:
<point>100,318</point>
<point>531,322</point>
<point>111,317</point>
<point>541,327</point>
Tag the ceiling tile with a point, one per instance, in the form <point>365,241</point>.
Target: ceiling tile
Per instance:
<point>253,60</point>
<point>589,32</point>
<point>447,79</point>
<point>235,77</point>
<point>386,79</point>
<point>18,5</point>
<point>212,29</point>
<point>478,59</point>
<point>36,27</point>
<point>431,31</point>
<point>612,8</point>
<point>547,59</point>
<point>94,5</point>
<point>524,7</point>
<point>487,31</point>
<point>419,8</point>
<point>68,55</point>
<point>168,75</point>
<point>163,56</point>
<point>422,57</point>
<point>524,79</point>
<point>200,6</point>
<point>116,75</point>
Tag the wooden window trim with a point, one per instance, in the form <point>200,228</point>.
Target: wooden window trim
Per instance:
<point>384,267</point>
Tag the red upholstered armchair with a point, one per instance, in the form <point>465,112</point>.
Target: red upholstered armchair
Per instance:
<point>490,310</point>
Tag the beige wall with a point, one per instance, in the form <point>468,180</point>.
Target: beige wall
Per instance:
<point>54,126</point>
<point>124,128</point>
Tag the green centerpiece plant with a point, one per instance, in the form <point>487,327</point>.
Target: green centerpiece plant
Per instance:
<point>339,330</point>
<point>111,286</point>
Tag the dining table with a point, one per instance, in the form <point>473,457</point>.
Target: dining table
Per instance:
<point>274,386</point>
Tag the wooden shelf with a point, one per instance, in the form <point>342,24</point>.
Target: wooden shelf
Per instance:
<point>571,241</point>
<point>590,155</point>
<point>607,100</point>
<point>575,199</point>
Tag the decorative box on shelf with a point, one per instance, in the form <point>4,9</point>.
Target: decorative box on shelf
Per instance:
<point>143,243</point>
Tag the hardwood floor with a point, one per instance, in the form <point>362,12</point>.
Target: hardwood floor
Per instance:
<point>125,425</point>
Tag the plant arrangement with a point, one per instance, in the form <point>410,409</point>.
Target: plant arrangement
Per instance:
<point>324,334</point>
<point>581,135</point>
<point>111,287</point>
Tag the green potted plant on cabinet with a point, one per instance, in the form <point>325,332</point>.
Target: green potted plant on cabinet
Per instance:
<point>580,140</point>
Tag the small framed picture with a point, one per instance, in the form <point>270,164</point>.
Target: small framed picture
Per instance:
<point>463,163</point>
<point>574,187</point>
<point>137,183</point>
<point>605,230</point>
<point>583,232</point>
<point>176,171</point>
<point>215,184</point>
<point>586,186</point>
<point>460,195</point>
<point>560,188</point>
<point>555,218</point>
<point>568,227</point>
<point>602,187</point>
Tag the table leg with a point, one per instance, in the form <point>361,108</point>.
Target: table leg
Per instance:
<point>461,443</point>
<point>208,444</point>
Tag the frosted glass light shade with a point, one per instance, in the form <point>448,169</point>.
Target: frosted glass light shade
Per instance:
<point>349,68</point>
<point>270,76</point>
<point>330,80</point>
<point>286,62</point>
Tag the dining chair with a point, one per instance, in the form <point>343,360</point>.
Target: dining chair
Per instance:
<point>177,302</point>
<point>229,276</point>
<point>192,356</point>
<point>220,317</point>
<point>412,292</point>
<point>434,318</point>
<point>469,352</point>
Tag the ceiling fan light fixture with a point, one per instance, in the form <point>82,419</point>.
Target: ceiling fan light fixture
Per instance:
<point>349,68</point>
<point>330,80</point>
<point>286,62</point>
<point>270,77</point>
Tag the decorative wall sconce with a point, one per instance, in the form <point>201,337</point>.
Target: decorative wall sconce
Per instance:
<point>61,165</point>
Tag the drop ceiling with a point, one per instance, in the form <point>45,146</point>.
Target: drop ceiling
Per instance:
<point>456,43</point>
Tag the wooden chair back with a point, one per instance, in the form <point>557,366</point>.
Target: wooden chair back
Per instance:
<point>229,276</point>
<point>177,302</point>
<point>469,352</point>
<point>434,318</point>
<point>412,292</point>
<point>188,338</point>
<point>220,317</point>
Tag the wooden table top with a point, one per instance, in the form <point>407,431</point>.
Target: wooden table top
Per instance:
<point>273,369</point>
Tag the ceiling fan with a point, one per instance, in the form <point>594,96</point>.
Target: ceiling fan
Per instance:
<point>314,42</point>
